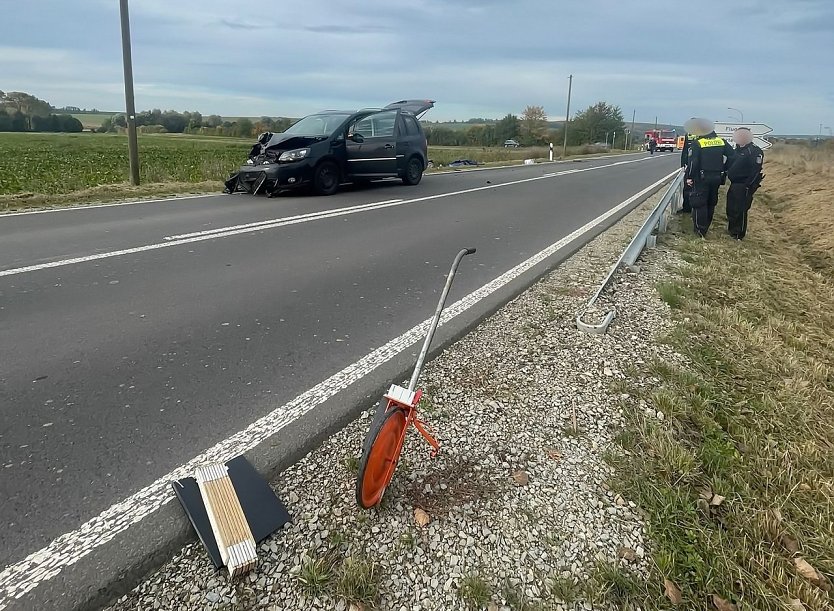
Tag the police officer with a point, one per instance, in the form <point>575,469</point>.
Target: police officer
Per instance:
<point>708,156</point>
<point>745,174</point>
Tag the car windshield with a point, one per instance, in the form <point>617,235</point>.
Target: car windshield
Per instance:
<point>317,125</point>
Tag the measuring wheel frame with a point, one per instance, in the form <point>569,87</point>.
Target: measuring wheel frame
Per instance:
<point>395,414</point>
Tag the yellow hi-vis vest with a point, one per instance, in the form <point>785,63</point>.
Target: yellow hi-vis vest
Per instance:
<point>709,142</point>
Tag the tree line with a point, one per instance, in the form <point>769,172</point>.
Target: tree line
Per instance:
<point>173,122</point>
<point>22,112</point>
<point>532,128</point>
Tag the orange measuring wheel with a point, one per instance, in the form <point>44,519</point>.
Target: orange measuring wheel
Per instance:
<point>395,413</point>
<point>380,454</point>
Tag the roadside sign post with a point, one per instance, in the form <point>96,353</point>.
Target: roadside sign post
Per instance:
<point>551,151</point>
<point>726,130</point>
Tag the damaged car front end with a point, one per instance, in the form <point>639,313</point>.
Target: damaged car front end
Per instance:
<point>276,162</point>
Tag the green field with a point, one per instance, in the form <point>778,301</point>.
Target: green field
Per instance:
<point>49,169</point>
<point>54,164</point>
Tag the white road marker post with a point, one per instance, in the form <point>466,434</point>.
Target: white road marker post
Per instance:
<point>551,151</point>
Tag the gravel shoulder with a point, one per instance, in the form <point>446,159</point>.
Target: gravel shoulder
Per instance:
<point>519,509</point>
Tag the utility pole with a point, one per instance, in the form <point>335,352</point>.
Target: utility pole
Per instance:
<point>132,144</point>
<point>567,119</point>
<point>631,133</point>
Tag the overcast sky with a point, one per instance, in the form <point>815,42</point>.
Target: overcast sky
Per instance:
<point>770,58</point>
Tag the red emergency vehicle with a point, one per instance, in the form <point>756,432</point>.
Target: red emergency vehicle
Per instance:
<point>666,139</point>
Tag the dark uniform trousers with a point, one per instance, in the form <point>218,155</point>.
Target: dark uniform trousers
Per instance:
<point>703,198</point>
<point>738,204</point>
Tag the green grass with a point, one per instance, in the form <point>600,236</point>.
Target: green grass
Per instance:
<point>317,575</point>
<point>358,581</point>
<point>57,164</point>
<point>57,169</point>
<point>749,418</point>
<point>474,591</point>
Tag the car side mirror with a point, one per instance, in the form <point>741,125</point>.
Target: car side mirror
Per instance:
<point>357,138</point>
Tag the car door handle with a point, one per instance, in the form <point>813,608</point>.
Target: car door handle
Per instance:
<point>389,146</point>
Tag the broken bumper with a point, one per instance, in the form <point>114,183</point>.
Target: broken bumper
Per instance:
<point>273,177</point>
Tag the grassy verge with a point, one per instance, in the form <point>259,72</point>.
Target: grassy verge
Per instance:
<point>737,480</point>
<point>38,170</point>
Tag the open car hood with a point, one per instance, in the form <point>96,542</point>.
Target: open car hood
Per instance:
<point>415,107</point>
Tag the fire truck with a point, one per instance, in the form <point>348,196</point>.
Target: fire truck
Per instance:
<point>666,139</point>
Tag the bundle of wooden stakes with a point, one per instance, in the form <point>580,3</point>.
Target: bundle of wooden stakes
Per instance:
<point>228,523</point>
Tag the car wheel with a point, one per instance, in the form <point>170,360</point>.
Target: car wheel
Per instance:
<point>326,178</point>
<point>413,172</point>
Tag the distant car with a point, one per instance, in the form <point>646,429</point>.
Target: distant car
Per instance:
<point>332,147</point>
<point>511,144</point>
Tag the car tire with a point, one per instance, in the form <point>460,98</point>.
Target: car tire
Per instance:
<point>326,178</point>
<point>413,172</point>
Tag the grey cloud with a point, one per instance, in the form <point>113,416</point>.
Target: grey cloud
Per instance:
<point>346,29</point>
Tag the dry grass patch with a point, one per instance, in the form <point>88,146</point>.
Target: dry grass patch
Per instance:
<point>738,479</point>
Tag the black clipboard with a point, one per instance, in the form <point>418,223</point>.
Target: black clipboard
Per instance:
<point>264,511</point>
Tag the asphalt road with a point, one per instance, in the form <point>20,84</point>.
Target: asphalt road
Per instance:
<point>117,368</point>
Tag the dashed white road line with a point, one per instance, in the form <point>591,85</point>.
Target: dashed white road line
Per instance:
<point>225,232</point>
<point>23,576</point>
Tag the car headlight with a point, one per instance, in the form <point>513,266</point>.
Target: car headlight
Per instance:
<point>295,155</point>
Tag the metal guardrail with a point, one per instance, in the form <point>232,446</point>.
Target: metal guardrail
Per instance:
<point>658,218</point>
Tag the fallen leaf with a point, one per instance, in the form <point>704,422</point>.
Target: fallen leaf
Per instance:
<point>789,543</point>
<point>521,478</point>
<point>804,487</point>
<point>716,500</point>
<point>421,517</point>
<point>356,607</point>
<point>672,592</point>
<point>723,605</point>
<point>493,606</point>
<point>703,505</point>
<point>804,568</point>
<point>554,453</point>
<point>796,604</point>
<point>706,494</point>
<point>627,553</point>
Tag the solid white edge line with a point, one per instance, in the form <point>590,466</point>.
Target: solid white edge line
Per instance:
<point>227,232</point>
<point>70,207</point>
<point>21,577</point>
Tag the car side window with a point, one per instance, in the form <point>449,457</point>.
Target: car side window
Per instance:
<point>379,125</point>
<point>411,127</point>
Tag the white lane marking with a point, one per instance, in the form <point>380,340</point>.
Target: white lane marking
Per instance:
<point>23,576</point>
<point>70,208</point>
<point>521,165</point>
<point>227,232</point>
<point>108,205</point>
<point>307,217</point>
